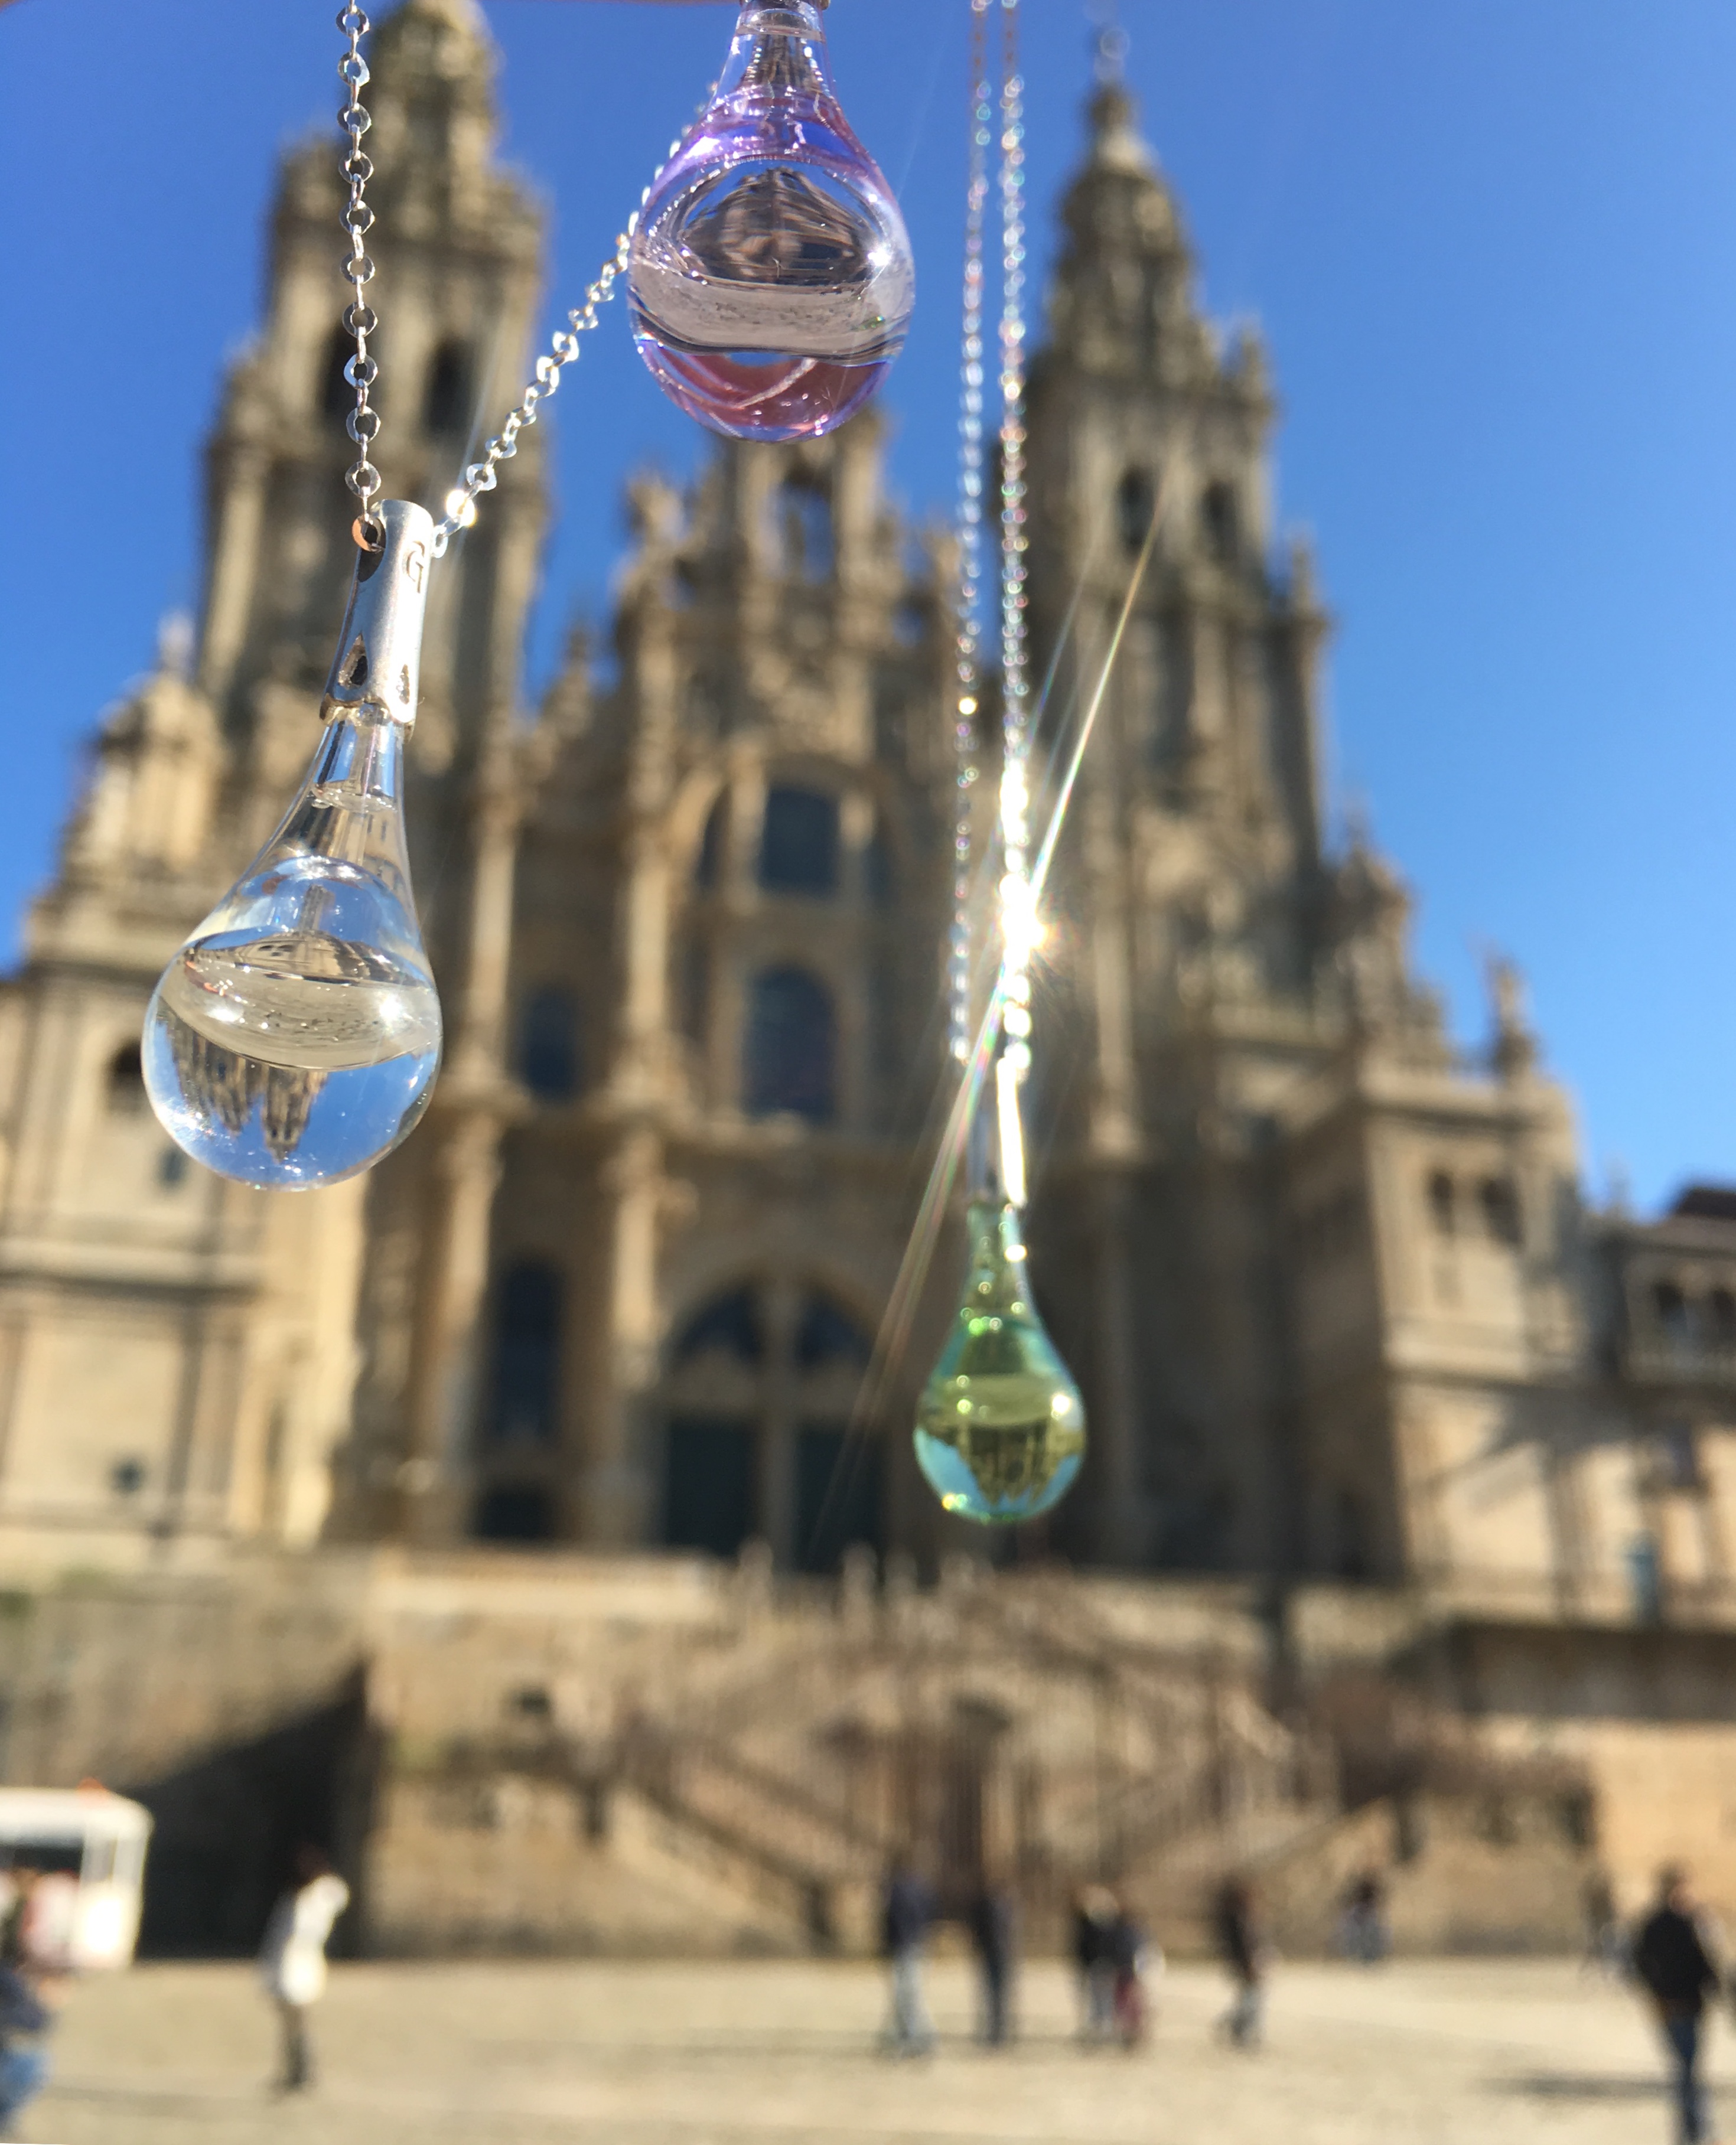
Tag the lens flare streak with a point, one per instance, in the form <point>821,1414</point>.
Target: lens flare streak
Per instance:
<point>892,1342</point>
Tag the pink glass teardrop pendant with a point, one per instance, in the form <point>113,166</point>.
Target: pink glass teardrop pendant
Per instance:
<point>771,281</point>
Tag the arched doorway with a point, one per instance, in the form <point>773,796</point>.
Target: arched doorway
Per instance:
<point>518,1454</point>
<point>762,1385</point>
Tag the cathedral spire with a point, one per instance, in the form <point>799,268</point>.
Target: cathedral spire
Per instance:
<point>433,106</point>
<point>458,247</point>
<point>1117,144</point>
<point>1125,274</point>
<point>461,14</point>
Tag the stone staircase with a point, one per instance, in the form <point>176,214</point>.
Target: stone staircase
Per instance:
<point>999,1729</point>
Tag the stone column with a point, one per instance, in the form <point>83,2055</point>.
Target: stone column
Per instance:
<point>470,1108</point>
<point>614,1424</point>
<point>170,1512</point>
<point>14,1331</point>
<point>643,1059</point>
<point>643,1067</point>
<point>478,1057</point>
<point>1570,1562</point>
<point>1113,1152</point>
<point>234,569</point>
<point>1113,1428</point>
<point>463,1174</point>
<point>612,1490</point>
<point>1301,635</point>
<point>777,1514</point>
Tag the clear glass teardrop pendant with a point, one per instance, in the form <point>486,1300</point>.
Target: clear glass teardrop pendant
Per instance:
<point>1001,1427</point>
<point>294,1039</point>
<point>771,282</point>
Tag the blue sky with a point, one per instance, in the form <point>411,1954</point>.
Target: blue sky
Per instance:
<point>1494,250</point>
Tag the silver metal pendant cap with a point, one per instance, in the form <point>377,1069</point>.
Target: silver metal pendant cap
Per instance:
<point>379,652</point>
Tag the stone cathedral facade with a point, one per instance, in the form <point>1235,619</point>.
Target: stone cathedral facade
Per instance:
<point>1336,1303</point>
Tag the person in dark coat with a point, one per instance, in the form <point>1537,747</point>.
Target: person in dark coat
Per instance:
<point>1242,1944</point>
<point>1606,1940</point>
<point>993,1931</point>
<point>1095,1912</point>
<point>908,1911</point>
<point>28,1997</point>
<point>1364,1932</point>
<point>1130,1953</point>
<point>1674,1963</point>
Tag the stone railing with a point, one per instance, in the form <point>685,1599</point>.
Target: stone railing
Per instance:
<point>1688,1361</point>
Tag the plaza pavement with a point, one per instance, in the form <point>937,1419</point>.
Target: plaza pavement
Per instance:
<point>1456,2053</point>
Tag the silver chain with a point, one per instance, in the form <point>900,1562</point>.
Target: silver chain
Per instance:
<point>359,320</point>
<point>461,503</point>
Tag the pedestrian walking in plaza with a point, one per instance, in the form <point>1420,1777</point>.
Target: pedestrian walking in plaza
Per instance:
<point>1095,1912</point>
<point>292,1958</point>
<point>1364,1932</point>
<point>36,1912</point>
<point>1242,1942</point>
<point>1133,1960</point>
<point>16,1883</point>
<point>26,2016</point>
<point>1673,1962</point>
<point>994,1925</point>
<point>1606,1941</point>
<point>908,1913</point>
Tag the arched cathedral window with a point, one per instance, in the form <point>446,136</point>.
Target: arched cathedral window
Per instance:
<point>522,1418</point>
<point>761,1387</point>
<point>729,1324</point>
<point>526,1397</point>
<point>792,1048</point>
<point>799,842</point>
<point>549,1060</point>
<point>448,397</point>
<point>1443,1204</point>
<point>709,1494</point>
<point>1135,503</point>
<point>839,1490</point>
<point>829,1334</point>
<point>1221,521</point>
<point>805,526</point>
<point>124,1087</point>
<point>1498,1199</point>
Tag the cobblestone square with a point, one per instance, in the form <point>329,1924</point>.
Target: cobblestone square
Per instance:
<point>1457,2053</point>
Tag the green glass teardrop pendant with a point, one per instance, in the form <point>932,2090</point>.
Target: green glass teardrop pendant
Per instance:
<point>1000,1428</point>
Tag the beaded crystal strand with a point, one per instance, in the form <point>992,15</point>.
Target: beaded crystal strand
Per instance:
<point>969,667</point>
<point>1019,928</point>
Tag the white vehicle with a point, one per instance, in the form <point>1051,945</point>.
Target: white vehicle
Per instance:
<point>91,1846</point>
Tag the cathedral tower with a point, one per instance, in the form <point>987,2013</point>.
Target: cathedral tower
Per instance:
<point>1193,878</point>
<point>1234,1293</point>
<point>176,1354</point>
